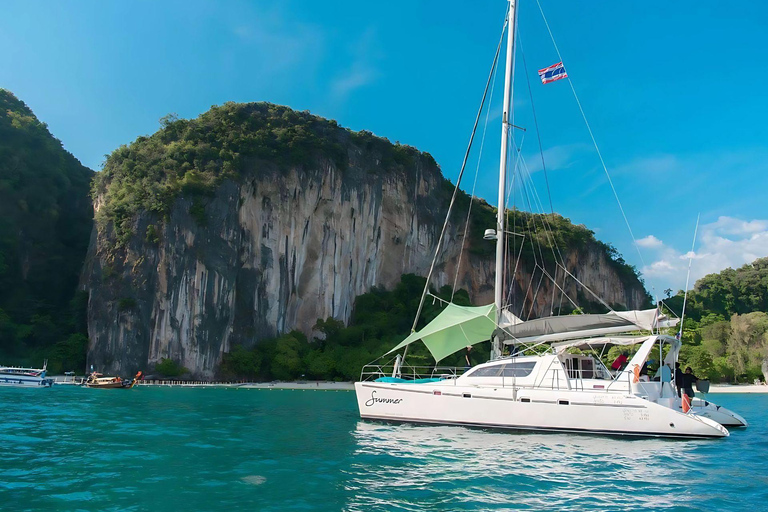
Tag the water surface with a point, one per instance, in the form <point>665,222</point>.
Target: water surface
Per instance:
<point>225,449</point>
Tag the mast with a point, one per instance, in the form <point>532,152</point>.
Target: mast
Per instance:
<point>500,218</point>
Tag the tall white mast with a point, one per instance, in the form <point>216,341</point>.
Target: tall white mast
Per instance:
<point>505,129</point>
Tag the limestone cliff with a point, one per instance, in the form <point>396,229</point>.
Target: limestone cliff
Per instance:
<point>194,253</point>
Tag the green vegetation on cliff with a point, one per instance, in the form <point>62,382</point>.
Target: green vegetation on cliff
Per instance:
<point>726,324</point>
<point>379,321</point>
<point>723,344</point>
<point>192,157</point>
<point>45,225</point>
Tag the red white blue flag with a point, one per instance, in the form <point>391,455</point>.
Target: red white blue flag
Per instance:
<point>552,73</point>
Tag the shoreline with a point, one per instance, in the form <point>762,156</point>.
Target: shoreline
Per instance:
<point>61,380</point>
<point>737,388</point>
<point>350,386</point>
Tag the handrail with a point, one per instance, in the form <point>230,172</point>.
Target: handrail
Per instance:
<point>371,372</point>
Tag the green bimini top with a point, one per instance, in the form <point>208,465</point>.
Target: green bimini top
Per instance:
<point>453,329</point>
<point>407,381</point>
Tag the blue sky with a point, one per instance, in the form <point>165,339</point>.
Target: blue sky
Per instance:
<point>673,92</point>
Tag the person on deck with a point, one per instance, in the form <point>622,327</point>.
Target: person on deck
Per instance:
<point>619,362</point>
<point>678,379</point>
<point>687,381</point>
<point>468,358</point>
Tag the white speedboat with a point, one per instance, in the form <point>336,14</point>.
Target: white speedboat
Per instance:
<point>25,377</point>
<point>554,380</point>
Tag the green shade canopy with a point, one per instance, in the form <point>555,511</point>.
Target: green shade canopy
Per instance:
<point>453,329</point>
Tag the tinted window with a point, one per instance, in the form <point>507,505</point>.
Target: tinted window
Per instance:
<point>518,369</point>
<point>488,371</point>
<point>505,370</point>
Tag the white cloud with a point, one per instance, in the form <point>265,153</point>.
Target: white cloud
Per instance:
<point>731,226</point>
<point>713,163</point>
<point>557,157</point>
<point>360,71</point>
<point>727,242</point>
<point>272,45</point>
<point>650,242</point>
<point>358,75</point>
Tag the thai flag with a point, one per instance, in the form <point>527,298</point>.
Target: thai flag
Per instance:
<point>552,73</point>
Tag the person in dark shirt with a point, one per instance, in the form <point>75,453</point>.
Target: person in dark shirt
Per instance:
<point>678,379</point>
<point>468,358</point>
<point>687,381</point>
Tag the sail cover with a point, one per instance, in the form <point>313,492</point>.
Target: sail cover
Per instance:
<point>453,329</point>
<point>553,328</point>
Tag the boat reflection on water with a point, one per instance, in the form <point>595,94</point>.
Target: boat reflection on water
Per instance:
<point>491,469</point>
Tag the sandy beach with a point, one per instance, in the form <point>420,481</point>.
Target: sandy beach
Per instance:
<point>313,385</point>
<point>350,386</point>
<point>739,388</point>
<point>316,385</point>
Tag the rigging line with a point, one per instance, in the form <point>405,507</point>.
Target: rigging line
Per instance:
<point>688,277</point>
<point>514,273</point>
<point>551,234</point>
<point>525,196</point>
<point>461,173</point>
<point>554,290</point>
<point>594,142</point>
<point>435,297</point>
<point>669,308</point>
<point>531,205</point>
<point>525,294</point>
<point>508,212</point>
<point>535,121</point>
<point>534,205</point>
<point>546,226</point>
<point>536,294</point>
<point>558,286</point>
<point>513,214</point>
<point>527,193</point>
<point>512,295</point>
<point>474,184</point>
<point>588,289</point>
<point>545,220</point>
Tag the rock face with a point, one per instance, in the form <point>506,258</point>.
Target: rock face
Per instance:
<point>278,248</point>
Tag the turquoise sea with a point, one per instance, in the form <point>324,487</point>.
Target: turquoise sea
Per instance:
<point>193,449</point>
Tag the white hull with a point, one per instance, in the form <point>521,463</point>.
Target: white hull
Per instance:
<point>718,413</point>
<point>446,402</point>
<point>17,381</point>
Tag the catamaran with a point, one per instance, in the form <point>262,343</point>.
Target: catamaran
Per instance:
<point>553,378</point>
<point>25,377</point>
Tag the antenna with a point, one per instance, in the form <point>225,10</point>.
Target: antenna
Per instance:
<point>687,278</point>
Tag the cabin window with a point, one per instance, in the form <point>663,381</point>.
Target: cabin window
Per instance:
<point>563,402</point>
<point>517,369</point>
<point>587,369</point>
<point>572,366</point>
<point>488,371</point>
<point>521,369</point>
<point>525,400</point>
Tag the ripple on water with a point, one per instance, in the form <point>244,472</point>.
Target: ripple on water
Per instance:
<point>215,450</point>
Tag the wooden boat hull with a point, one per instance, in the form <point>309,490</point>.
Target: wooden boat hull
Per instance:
<point>111,385</point>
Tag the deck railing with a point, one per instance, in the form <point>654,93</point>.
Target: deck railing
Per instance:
<point>375,371</point>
